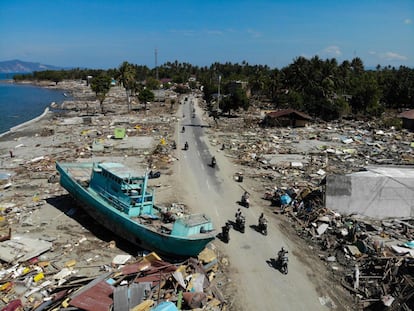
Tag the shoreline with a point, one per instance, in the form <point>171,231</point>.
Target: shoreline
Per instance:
<point>46,111</point>
<point>26,123</point>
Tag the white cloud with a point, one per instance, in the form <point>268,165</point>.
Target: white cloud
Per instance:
<point>392,56</point>
<point>254,34</point>
<point>214,32</point>
<point>183,32</point>
<point>408,21</point>
<point>372,53</point>
<point>332,50</point>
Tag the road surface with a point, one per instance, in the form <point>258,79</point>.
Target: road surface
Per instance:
<point>213,191</point>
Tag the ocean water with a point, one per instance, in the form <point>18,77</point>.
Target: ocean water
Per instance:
<point>21,103</point>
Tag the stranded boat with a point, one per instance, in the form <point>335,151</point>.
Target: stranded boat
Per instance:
<point>118,198</point>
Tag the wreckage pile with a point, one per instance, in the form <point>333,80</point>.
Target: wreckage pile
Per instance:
<point>373,259</point>
<point>146,283</point>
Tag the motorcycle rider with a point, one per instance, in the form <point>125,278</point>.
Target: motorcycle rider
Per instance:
<point>282,253</point>
<point>262,219</point>
<point>240,220</point>
<point>213,161</point>
<point>245,199</point>
<point>186,146</point>
<point>282,259</point>
<point>238,214</point>
<point>263,224</point>
<point>226,232</point>
<point>183,129</point>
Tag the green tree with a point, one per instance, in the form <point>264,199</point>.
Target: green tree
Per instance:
<point>152,84</point>
<point>101,85</point>
<point>146,96</point>
<point>127,78</point>
<point>57,76</point>
<point>366,95</point>
<point>181,89</point>
<point>237,99</point>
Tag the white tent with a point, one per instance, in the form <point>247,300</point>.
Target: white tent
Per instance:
<point>379,192</point>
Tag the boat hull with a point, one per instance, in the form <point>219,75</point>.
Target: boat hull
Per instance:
<point>123,226</point>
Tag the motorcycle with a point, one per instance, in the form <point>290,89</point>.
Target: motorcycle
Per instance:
<point>245,200</point>
<point>282,260</point>
<point>262,226</point>
<point>174,145</point>
<point>186,146</point>
<point>241,223</point>
<point>225,233</point>
<point>213,162</point>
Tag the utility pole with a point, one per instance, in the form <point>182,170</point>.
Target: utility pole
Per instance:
<point>218,97</point>
<point>156,64</point>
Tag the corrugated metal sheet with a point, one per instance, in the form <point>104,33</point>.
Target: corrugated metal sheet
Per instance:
<point>409,114</point>
<point>286,112</point>
<point>121,298</point>
<point>95,298</point>
<point>137,293</point>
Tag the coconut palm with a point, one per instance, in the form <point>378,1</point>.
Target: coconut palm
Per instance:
<point>128,80</point>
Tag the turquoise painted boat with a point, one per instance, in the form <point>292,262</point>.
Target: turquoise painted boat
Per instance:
<point>119,199</point>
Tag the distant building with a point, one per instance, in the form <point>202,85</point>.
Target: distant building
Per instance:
<point>165,81</point>
<point>159,95</point>
<point>234,85</point>
<point>286,117</point>
<point>408,119</point>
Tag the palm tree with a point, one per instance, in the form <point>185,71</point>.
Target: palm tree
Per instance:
<point>127,77</point>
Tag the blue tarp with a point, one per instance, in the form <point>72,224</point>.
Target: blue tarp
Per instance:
<point>165,306</point>
<point>285,199</point>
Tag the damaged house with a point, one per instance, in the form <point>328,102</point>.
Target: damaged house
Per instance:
<point>286,117</point>
<point>408,119</point>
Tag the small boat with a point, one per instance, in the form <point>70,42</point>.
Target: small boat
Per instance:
<point>119,199</point>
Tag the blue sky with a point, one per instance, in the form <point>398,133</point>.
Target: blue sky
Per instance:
<point>103,34</point>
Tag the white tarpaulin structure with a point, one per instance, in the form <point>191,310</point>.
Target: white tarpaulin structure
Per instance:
<point>379,192</point>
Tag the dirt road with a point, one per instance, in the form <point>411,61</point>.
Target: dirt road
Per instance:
<point>213,191</point>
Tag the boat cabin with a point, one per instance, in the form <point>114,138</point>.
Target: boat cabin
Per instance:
<point>192,225</point>
<point>123,188</point>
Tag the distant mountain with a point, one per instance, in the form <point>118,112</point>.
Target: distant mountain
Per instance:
<point>18,66</point>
